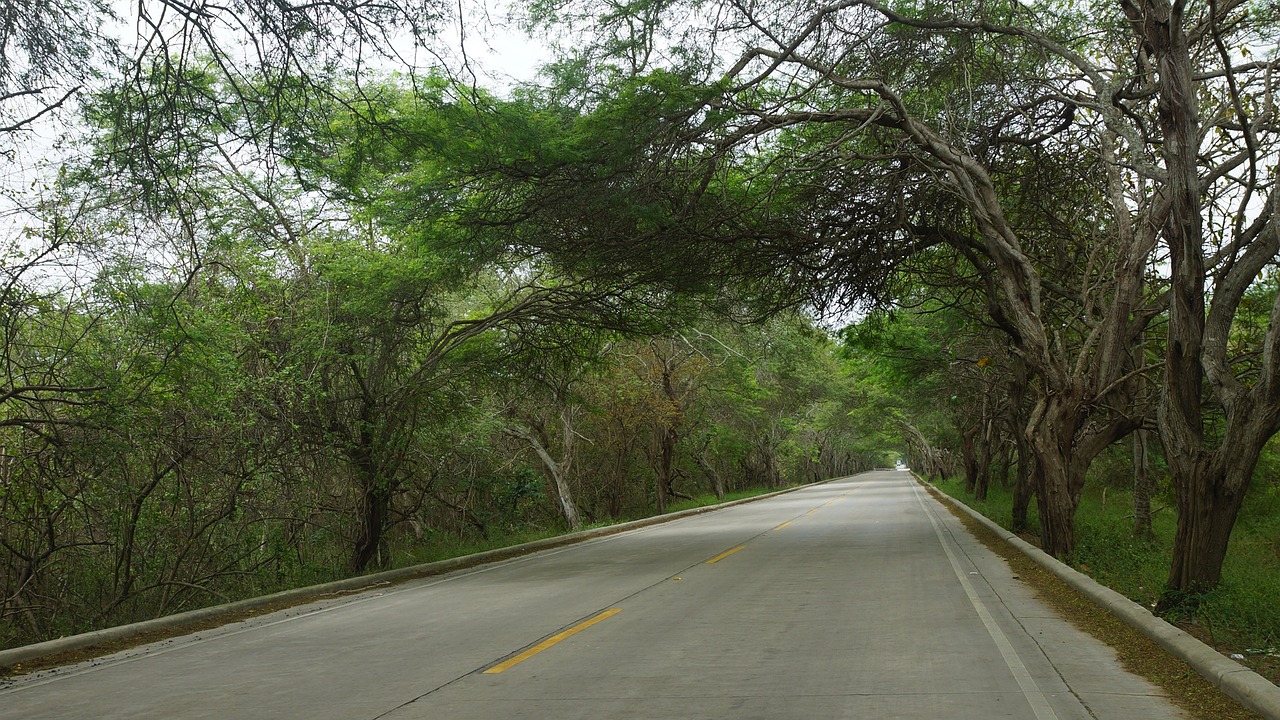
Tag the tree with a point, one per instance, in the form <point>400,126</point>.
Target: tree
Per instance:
<point>542,403</point>
<point>830,96</point>
<point>671,367</point>
<point>1206,142</point>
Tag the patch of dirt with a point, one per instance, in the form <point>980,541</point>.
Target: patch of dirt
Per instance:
<point>1137,653</point>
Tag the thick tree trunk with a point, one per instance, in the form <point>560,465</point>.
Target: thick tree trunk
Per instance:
<point>1005,462</point>
<point>1028,477</point>
<point>1063,459</point>
<point>1207,510</point>
<point>983,479</point>
<point>1211,487</point>
<point>564,497</point>
<point>1057,498</point>
<point>1210,483</point>
<point>376,490</point>
<point>668,438</point>
<point>375,509</point>
<point>666,458</point>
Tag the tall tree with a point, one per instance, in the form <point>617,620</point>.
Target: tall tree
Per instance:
<point>1161,107</point>
<point>1215,207</point>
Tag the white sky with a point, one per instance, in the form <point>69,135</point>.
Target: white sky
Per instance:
<point>503,54</point>
<point>498,55</point>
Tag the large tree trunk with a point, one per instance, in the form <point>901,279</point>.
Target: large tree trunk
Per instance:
<point>717,482</point>
<point>1004,461</point>
<point>1057,497</point>
<point>375,509</point>
<point>1211,488</point>
<point>376,491</point>
<point>669,436</point>
<point>666,459</point>
<point>1210,483</point>
<point>1028,477</point>
<point>983,479</point>
<point>1064,451</point>
<point>1208,504</point>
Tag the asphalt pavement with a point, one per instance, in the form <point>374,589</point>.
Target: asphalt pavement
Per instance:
<point>860,598</point>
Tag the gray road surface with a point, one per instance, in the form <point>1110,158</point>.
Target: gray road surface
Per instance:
<point>862,598</point>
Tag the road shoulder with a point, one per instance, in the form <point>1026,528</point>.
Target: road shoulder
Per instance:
<point>1201,697</point>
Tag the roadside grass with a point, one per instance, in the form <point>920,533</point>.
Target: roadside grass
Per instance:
<point>446,546</point>
<point>1199,698</point>
<point>441,546</point>
<point>1239,618</point>
<point>710,499</point>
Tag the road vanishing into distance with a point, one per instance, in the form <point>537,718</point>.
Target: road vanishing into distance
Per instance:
<point>860,598</point>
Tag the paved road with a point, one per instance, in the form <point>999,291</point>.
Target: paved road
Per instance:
<point>861,598</point>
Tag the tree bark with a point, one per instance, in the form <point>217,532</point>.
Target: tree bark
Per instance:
<point>1004,460</point>
<point>376,489</point>
<point>1024,488</point>
<point>1057,498</point>
<point>666,456</point>
<point>375,509</point>
<point>1210,482</point>
<point>1211,487</point>
<point>1141,486</point>
<point>1064,450</point>
<point>983,478</point>
<point>969,458</point>
<point>668,437</point>
<point>717,482</point>
<point>1207,509</point>
<point>556,472</point>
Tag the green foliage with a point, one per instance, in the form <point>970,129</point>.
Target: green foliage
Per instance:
<point>305,366</point>
<point>327,324</point>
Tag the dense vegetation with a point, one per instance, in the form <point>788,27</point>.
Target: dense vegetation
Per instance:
<point>293,295</point>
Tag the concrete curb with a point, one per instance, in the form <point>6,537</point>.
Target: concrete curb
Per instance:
<point>14,656</point>
<point>1237,681</point>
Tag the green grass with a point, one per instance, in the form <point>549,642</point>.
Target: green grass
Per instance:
<point>1240,614</point>
<point>709,499</point>
<point>446,546</point>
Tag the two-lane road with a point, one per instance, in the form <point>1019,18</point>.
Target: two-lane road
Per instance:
<point>860,598</point>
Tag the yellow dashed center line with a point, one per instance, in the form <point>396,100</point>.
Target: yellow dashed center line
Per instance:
<point>516,660</point>
<point>724,555</point>
<point>783,525</point>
